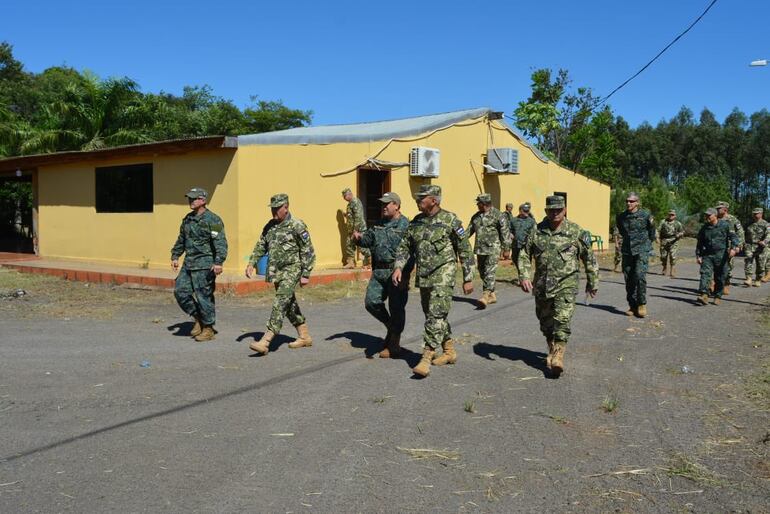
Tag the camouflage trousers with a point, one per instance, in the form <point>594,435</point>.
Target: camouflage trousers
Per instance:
<point>436,302</point>
<point>194,292</point>
<point>487,270</point>
<point>285,302</point>
<point>729,274</point>
<point>668,252</point>
<point>617,257</point>
<point>350,251</point>
<point>635,276</point>
<point>713,267</point>
<point>555,315</point>
<point>755,256</point>
<point>381,288</point>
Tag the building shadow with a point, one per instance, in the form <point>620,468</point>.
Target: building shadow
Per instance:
<point>607,308</point>
<point>535,360</point>
<point>277,341</point>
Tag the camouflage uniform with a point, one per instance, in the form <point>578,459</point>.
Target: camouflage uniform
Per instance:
<point>520,229</point>
<point>669,233</point>
<point>492,233</point>
<point>757,239</point>
<point>356,221</point>
<point>638,232</point>
<point>202,240</point>
<point>556,255</point>
<point>714,242</point>
<point>618,244</point>
<point>737,229</point>
<point>436,242</point>
<point>292,257</point>
<point>383,240</point>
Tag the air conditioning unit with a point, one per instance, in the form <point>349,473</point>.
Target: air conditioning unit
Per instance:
<point>424,162</point>
<point>502,160</point>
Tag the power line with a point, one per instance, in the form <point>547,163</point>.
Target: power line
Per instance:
<point>677,38</point>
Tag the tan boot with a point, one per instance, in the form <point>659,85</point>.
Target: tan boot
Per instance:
<point>672,274</point>
<point>703,299</point>
<point>717,301</point>
<point>263,345</point>
<point>350,263</point>
<point>484,300</point>
<point>392,346</point>
<point>641,311</point>
<point>726,291</point>
<point>449,356</point>
<point>492,297</point>
<point>304,338</point>
<point>747,282</point>
<point>549,357</point>
<point>631,311</point>
<point>765,277</point>
<point>197,328</point>
<point>423,368</point>
<point>207,334</point>
<point>557,360</point>
<point>615,269</point>
<point>664,271</point>
<point>757,283</point>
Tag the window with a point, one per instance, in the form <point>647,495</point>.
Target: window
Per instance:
<point>124,188</point>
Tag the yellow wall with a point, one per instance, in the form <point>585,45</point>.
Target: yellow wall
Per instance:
<point>70,227</point>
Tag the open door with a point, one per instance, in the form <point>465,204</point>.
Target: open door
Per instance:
<point>16,216</point>
<point>372,184</point>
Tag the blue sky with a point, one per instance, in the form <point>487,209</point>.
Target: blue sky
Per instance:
<point>352,61</point>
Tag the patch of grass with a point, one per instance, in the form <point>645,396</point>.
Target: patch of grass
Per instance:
<point>381,399</point>
<point>610,402</point>
<point>557,419</point>
<point>758,386</point>
<point>470,406</point>
<point>681,465</point>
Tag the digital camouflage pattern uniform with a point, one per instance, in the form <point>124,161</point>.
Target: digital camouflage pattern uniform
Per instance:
<point>356,221</point>
<point>618,239</point>
<point>557,255</point>
<point>202,241</point>
<point>757,239</point>
<point>737,229</point>
<point>520,229</point>
<point>383,239</point>
<point>291,257</point>
<point>638,232</point>
<point>714,242</point>
<point>669,234</point>
<point>436,242</point>
<point>492,234</point>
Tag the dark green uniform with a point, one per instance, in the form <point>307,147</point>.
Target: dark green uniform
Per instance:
<point>638,232</point>
<point>714,243</point>
<point>737,229</point>
<point>292,257</point>
<point>383,240</point>
<point>492,235</point>
<point>520,229</point>
<point>202,241</point>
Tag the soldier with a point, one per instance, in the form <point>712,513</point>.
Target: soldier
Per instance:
<point>618,239</point>
<point>521,226</point>
<point>435,239</point>
<point>670,231</point>
<point>356,222</point>
<point>492,234</point>
<point>557,245</point>
<point>737,229</point>
<point>757,238</point>
<point>716,244</point>
<point>383,240</point>
<point>292,257</point>
<point>202,240</point>
<point>637,229</point>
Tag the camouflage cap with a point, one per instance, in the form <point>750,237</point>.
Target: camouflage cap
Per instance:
<point>757,210</point>
<point>428,190</point>
<point>278,200</point>
<point>710,212</point>
<point>346,191</point>
<point>672,211</point>
<point>526,206</point>
<point>390,197</point>
<point>554,202</point>
<point>509,205</point>
<point>723,205</point>
<point>484,198</point>
<point>197,192</point>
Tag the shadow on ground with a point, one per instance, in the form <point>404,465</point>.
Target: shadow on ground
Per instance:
<point>276,343</point>
<point>532,359</point>
<point>373,344</point>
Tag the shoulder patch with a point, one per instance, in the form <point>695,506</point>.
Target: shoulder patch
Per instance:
<point>460,231</point>
<point>304,235</point>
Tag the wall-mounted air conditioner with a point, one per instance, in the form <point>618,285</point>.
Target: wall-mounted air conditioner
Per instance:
<point>502,160</point>
<point>424,162</point>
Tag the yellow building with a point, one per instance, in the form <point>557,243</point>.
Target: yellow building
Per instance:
<point>124,205</point>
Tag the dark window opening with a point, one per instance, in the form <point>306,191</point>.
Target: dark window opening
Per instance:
<point>372,184</point>
<point>124,188</point>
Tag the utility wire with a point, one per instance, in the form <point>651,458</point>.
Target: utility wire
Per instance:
<point>677,38</point>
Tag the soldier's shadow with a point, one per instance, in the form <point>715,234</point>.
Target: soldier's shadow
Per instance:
<point>532,359</point>
<point>373,344</point>
<point>183,329</point>
<point>465,299</point>
<point>609,308</point>
<point>276,343</point>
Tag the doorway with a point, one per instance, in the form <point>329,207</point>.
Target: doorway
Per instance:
<point>372,184</point>
<point>16,224</point>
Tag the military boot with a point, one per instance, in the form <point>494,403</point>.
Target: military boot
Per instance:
<point>197,328</point>
<point>484,300</point>
<point>423,368</point>
<point>350,263</point>
<point>615,269</point>
<point>631,311</point>
<point>664,271</point>
<point>392,347</point>
<point>641,311</point>
<point>747,282</point>
<point>207,334</point>
<point>492,297</point>
<point>757,283</point>
<point>550,353</point>
<point>304,338</point>
<point>726,290</point>
<point>717,301</point>
<point>557,360</point>
<point>672,273</point>
<point>449,356</point>
<point>263,345</point>
<point>765,277</point>
<point>703,299</point>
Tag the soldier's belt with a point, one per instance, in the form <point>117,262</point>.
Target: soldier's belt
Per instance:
<point>383,265</point>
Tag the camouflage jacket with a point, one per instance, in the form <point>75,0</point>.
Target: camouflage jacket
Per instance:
<point>436,242</point>
<point>383,239</point>
<point>556,255</point>
<point>355,215</point>
<point>670,230</point>
<point>715,239</point>
<point>289,246</point>
<point>202,240</point>
<point>492,232</point>
<point>735,227</point>
<point>637,230</point>
<point>758,231</point>
<point>520,228</point>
